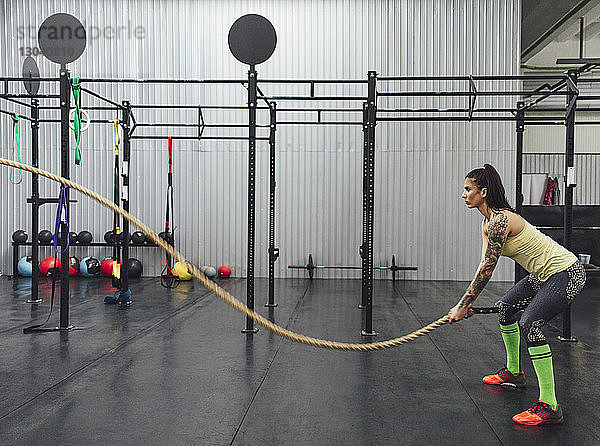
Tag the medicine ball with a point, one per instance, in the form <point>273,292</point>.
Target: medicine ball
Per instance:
<point>181,270</point>
<point>224,271</point>
<point>210,272</point>
<point>84,237</point>
<point>106,267</point>
<point>124,238</point>
<point>89,267</point>
<point>134,268</point>
<point>24,267</point>
<point>19,236</point>
<point>45,237</point>
<point>73,266</point>
<point>167,237</point>
<point>47,264</point>
<point>72,238</point>
<point>138,238</point>
<point>109,237</point>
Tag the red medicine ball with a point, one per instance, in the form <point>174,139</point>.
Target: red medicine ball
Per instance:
<point>74,266</point>
<point>47,263</point>
<point>106,267</point>
<point>224,271</point>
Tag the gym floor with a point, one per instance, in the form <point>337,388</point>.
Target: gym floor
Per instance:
<point>174,368</point>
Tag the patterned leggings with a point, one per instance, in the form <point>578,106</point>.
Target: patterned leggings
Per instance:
<point>540,301</point>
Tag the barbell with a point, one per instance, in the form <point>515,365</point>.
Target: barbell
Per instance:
<point>310,267</point>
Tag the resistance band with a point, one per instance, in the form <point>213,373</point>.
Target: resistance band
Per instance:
<point>62,204</point>
<point>16,143</point>
<point>116,273</point>
<point>54,272</point>
<point>167,278</point>
<point>77,120</point>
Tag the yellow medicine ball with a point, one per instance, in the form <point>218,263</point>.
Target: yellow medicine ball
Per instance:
<point>181,271</point>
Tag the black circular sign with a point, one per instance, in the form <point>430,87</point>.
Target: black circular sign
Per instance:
<point>252,39</point>
<point>62,38</point>
<point>31,71</point>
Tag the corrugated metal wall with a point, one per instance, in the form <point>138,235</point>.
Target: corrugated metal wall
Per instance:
<point>548,145</point>
<point>587,173</point>
<point>420,166</point>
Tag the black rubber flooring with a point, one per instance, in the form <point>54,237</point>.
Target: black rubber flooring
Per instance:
<point>174,368</point>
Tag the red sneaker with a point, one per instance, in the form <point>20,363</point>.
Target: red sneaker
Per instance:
<point>540,413</point>
<point>505,377</point>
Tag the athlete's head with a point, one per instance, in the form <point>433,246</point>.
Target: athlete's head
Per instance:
<point>485,184</point>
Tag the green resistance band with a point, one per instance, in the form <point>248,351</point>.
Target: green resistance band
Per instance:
<point>77,121</point>
<point>17,148</point>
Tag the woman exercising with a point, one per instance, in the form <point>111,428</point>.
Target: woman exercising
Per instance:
<point>555,277</point>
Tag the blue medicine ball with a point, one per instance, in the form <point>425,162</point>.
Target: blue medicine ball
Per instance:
<point>24,266</point>
<point>89,267</point>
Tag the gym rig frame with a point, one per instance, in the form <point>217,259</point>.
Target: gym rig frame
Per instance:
<point>371,115</point>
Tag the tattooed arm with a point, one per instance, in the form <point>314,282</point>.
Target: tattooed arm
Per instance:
<point>497,234</point>
<point>484,242</point>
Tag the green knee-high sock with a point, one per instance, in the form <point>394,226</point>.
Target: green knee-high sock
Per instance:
<point>512,342</point>
<point>542,362</point>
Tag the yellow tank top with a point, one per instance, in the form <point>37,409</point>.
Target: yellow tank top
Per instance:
<point>536,252</point>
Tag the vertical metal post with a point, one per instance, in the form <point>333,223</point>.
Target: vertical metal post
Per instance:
<point>370,183</point>
<point>65,107</point>
<point>569,185</point>
<point>15,259</point>
<point>363,246</point>
<point>581,22</point>
<point>252,94</point>
<point>519,270</point>
<point>273,251</point>
<point>126,119</point>
<point>35,204</point>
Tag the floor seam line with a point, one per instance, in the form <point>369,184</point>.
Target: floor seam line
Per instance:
<point>143,332</point>
<point>453,372</point>
<point>281,340</point>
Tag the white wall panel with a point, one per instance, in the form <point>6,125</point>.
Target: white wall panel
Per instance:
<point>420,166</point>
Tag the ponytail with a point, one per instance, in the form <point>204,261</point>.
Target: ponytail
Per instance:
<point>487,177</point>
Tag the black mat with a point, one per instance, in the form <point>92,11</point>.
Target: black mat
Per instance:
<point>174,368</point>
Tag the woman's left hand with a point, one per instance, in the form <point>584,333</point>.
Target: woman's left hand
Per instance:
<point>457,313</point>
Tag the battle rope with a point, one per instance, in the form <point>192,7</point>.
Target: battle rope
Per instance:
<point>16,143</point>
<point>220,292</point>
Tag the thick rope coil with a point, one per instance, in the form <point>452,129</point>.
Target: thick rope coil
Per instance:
<point>220,292</point>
